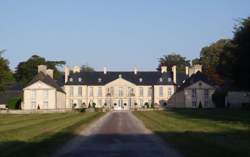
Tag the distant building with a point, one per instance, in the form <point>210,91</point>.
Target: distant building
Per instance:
<point>119,90</point>
<point>43,92</point>
<point>195,92</point>
<point>237,98</point>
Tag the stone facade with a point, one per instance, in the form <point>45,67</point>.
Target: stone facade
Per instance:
<point>118,90</point>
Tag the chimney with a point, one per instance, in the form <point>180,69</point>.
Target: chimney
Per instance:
<point>197,68</point>
<point>76,69</point>
<point>187,70</point>
<point>66,74</point>
<point>194,69</point>
<point>105,70</point>
<point>42,68</point>
<point>164,69</point>
<point>50,72</point>
<point>135,70</point>
<point>174,73</point>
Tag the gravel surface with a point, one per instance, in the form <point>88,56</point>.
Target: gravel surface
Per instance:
<point>117,134</point>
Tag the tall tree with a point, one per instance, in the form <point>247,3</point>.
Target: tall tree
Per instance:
<point>26,70</point>
<point>210,57</point>
<point>6,76</point>
<point>86,68</point>
<point>235,63</point>
<point>174,59</point>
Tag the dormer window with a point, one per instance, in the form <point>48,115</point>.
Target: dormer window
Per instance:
<point>99,80</point>
<point>71,79</point>
<point>140,79</point>
<point>80,79</point>
<point>161,79</point>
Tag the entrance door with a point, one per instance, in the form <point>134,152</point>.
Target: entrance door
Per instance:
<point>119,106</point>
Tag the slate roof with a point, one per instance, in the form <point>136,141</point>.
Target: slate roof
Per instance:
<point>47,80</point>
<point>199,76</point>
<point>141,78</point>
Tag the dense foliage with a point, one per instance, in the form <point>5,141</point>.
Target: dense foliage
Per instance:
<point>6,77</point>
<point>234,61</point>
<point>26,70</point>
<point>86,68</point>
<point>174,59</point>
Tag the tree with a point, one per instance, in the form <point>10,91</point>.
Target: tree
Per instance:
<point>174,59</point>
<point>86,68</point>
<point>236,65</point>
<point>6,76</point>
<point>26,70</point>
<point>210,57</point>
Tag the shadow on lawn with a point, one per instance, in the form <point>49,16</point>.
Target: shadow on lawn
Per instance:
<point>192,144</point>
<point>33,149</point>
<point>225,115</point>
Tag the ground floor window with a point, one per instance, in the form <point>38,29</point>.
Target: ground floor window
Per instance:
<point>33,104</point>
<point>79,102</point>
<point>45,104</point>
<point>71,103</point>
<point>99,102</point>
<point>141,102</point>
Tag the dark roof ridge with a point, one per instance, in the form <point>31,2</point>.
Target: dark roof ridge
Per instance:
<point>45,79</point>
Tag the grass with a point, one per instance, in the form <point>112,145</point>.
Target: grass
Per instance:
<point>203,133</point>
<point>39,134</point>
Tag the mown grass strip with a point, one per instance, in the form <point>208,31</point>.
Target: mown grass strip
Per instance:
<point>205,133</point>
<point>42,138</point>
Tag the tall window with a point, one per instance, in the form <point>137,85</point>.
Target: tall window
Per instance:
<point>79,91</point>
<point>79,102</point>
<point>112,91</point>
<point>91,92</point>
<point>141,91</point>
<point>71,102</point>
<point>206,97</point>
<point>169,91</point>
<point>120,92</point>
<point>99,91</point>
<point>129,92</point>
<point>149,91</point>
<point>141,102</point>
<point>33,99</point>
<point>71,91</point>
<point>100,102</point>
<point>161,91</point>
<point>194,97</point>
<point>45,99</point>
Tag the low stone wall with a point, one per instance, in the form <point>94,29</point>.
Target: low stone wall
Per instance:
<point>34,111</point>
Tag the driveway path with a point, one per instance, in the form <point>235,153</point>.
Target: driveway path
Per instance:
<point>117,134</point>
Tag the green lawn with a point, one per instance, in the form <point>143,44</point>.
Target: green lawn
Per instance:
<point>39,134</point>
<point>202,133</point>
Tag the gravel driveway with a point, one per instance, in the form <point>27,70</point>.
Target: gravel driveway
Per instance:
<point>117,134</point>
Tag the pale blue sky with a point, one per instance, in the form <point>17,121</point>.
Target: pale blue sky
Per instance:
<point>114,33</point>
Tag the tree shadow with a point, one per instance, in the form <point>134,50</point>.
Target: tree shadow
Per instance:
<point>224,115</point>
<point>191,144</point>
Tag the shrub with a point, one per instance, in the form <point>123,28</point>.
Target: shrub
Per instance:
<point>93,105</point>
<point>146,105</point>
<point>73,106</point>
<point>219,98</point>
<point>200,105</point>
<point>14,103</point>
<point>152,105</point>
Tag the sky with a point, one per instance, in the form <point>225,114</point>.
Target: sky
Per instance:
<point>118,34</point>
